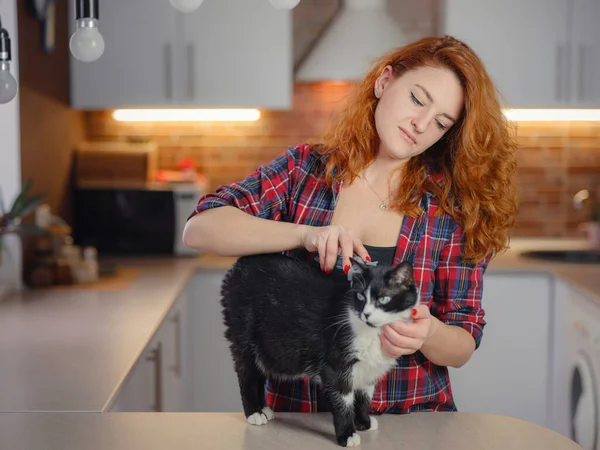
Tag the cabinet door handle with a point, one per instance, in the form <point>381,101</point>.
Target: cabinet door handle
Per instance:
<point>168,57</point>
<point>559,70</point>
<point>177,366</point>
<point>156,358</point>
<point>581,85</point>
<point>190,71</point>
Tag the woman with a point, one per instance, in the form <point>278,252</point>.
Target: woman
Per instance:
<point>420,166</point>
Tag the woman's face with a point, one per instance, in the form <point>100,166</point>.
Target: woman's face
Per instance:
<point>415,110</point>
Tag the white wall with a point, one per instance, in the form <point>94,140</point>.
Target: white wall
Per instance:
<point>10,150</point>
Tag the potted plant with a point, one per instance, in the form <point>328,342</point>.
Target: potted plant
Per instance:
<point>12,228</point>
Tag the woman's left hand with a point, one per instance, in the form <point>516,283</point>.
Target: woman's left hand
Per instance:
<point>401,338</point>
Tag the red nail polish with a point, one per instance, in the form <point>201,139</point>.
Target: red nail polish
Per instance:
<point>346,269</point>
<point>368,258</point>
<point>328,271</point>
<point>414,311</point>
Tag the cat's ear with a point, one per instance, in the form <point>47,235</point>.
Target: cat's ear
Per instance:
<point>403,273</point>
<point>358,265</point>
<point>357,270</point>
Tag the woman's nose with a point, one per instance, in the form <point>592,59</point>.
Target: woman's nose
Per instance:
<point>422,122</point>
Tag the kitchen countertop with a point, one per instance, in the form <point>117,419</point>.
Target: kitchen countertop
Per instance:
<point>584,277</point>
<point>70,350</point>
<point>292,431</point>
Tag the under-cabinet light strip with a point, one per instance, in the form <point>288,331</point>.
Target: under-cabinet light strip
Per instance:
<point>186,115</point>
<point>545,115</point>
<point>248,115</point>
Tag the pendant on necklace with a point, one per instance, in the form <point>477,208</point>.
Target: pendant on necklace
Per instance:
<point>383,207</point>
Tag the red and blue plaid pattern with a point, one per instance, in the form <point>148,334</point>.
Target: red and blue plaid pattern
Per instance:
<point>290,189</point>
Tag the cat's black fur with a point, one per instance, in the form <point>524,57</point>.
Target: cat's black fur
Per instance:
<point>287,319</point>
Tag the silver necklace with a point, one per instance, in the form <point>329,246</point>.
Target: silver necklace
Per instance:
<point>384,203</point>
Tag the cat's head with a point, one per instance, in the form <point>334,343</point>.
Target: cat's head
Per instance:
<point>383,294</point>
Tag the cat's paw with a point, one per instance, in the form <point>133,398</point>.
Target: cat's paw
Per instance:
<point>366,423</point>
<point>350,441</point>
<point>374,424</point>
<point>362,425</point>
<point>268,412</point>
<point>258,418</point>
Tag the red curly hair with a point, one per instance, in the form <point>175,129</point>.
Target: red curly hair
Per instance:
<point>474,162</point>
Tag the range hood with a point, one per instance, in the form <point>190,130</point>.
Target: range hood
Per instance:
<point>362,31</point>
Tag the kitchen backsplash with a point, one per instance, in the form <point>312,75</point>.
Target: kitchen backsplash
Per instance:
<point>556,159</point>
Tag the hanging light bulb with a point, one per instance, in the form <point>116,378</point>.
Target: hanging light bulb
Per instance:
<point>186,6</point>
<point>8,84</point>
<point>284,4</point>
<point>86,44</point>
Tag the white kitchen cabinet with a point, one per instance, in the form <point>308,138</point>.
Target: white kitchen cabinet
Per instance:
<point>227,53</point>
<point>187,365</point>
<point>559,410</point>
<point>142,390</point>
<point>177,373</point>
<point>510,373</point>
<point>138,67</point>
<point>160,379</point>
<point>237,53</point>
<point>585,48</point>
<point>540,53</point>
<point>215,386</point>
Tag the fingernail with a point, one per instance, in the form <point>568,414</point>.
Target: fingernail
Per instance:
<point>368,258</point>
<point>328,271</point>
<point>414,311</point>
<point>346,268</point>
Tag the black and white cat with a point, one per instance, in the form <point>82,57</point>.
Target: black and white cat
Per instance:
<point>286,319</point>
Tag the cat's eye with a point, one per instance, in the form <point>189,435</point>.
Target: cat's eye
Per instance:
<point>360,297</point>
<point>384,300</point>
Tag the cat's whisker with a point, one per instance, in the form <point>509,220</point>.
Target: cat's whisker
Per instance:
<point>347,319</point>
<point>344,319</point>
<point>336,331</point>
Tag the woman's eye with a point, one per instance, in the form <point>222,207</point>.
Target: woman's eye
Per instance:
<point>440,125</point>
<point>384,300</point>
<point>416,100</point>
<point>361,297</point>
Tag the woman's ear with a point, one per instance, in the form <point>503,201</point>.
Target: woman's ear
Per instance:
<point>384,78</point>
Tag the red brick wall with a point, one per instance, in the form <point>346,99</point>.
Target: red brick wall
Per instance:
<point>555,159</point>
<point>227,151</point>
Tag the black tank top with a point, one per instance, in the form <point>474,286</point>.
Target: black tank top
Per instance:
<point>383,255</point>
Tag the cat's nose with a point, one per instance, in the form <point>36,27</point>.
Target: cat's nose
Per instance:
<point>366,314</point>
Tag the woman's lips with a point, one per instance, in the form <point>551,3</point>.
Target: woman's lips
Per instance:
<point>407,136</point>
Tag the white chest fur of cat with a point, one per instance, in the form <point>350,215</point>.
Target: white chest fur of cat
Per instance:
<point>373,362</point>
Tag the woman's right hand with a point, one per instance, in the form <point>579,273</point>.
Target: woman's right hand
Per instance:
<point>329,242</point>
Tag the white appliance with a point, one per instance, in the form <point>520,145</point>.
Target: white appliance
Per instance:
<point>581,383</point>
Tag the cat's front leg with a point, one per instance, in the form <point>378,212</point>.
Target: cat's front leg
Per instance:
<point>342,404</point>
<point>341,398</point>
<point>362,405</point>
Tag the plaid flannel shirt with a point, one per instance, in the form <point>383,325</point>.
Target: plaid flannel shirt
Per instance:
<point>290,189</point>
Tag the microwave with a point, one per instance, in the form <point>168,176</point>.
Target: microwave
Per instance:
<point>144,219</point>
